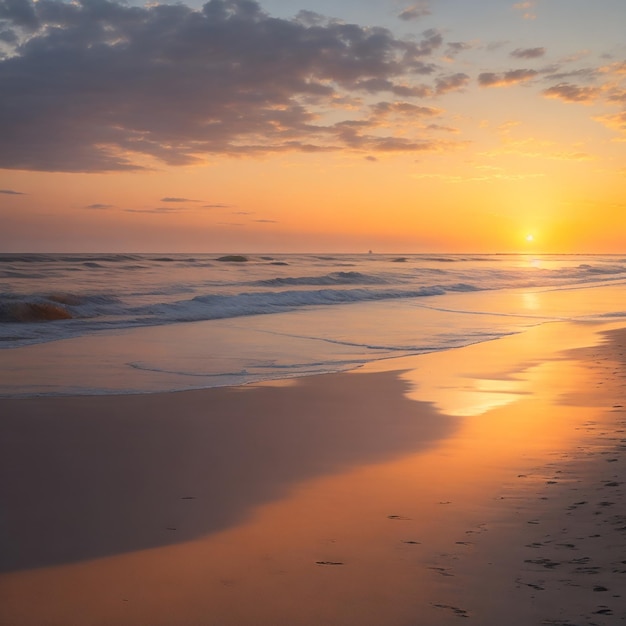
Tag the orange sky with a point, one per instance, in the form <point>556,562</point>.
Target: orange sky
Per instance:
<point>245,127</point>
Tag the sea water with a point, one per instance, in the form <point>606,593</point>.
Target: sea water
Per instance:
<point>132,323</point>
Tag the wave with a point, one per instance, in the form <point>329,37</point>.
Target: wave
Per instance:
<point>605,269</point>
<point>334,278</point>
<point>217,306</point>
<point>16,308</point>
<point>69,258</point>
<point>68,306</point>
<point>33,312</point>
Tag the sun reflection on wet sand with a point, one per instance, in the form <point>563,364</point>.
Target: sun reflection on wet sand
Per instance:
<point>383,543</point>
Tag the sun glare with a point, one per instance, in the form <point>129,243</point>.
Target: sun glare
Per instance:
<point>530,238</point>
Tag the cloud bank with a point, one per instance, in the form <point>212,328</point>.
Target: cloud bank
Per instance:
<point>99,85</point>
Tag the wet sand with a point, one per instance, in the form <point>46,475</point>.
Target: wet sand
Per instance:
<point>484,484</point>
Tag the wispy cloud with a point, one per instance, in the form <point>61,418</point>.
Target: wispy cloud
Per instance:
<point>528,53</point>
<point>455,48</point>
<point>602,86</point>
<point>572,93</point>
<point>506,79</point>
<point>99,206</point>
<point>452,82</point>
<point>587,74</point>
<point>11,192</point>
<point>163,210</point>
<point>527,9</point>
<point>614,121</point>
<point>415,11</point>
<point>168,199</point>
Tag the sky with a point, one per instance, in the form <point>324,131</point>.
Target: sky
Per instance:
<point>313,126</point>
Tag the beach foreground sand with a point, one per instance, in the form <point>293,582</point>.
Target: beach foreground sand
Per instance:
<point>484,484</point>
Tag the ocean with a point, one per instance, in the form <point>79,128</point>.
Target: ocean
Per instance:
<point>137,323</point>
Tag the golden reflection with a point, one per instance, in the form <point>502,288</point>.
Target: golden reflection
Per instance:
<point>531,301</point>
<point>367,546</point>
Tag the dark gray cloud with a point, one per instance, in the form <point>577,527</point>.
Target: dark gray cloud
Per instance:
<point>11,192</point>
<point>528,53</point>
<point>100,206</point>
<point>20,13</point>
<point>99,85</point>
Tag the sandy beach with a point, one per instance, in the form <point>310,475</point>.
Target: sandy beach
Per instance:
<point>484,484</point>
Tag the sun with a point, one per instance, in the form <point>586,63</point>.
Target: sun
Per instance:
<point>530,238</point>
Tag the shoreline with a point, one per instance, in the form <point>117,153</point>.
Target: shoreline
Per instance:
<point>352,498</point>
<point>244,350</point>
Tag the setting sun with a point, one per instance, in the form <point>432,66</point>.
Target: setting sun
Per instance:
<point>530,238</point>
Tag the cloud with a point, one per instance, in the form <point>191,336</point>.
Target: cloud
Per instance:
<point>452,82</point>
<point>178,200</point>
<point>576,56</point>
<point>572,93</point>
<point>505,79</point>
<point>100,206</point>
<point>383,109</point>
<point>506,127</point>
<point>614,121</point>
<point>527,9</point>
<point>11,192</point>
<point>162,210</point>
<point>617,95</point>
<point>585,73</point>
<point>495,45</point>
<point>102,85</point>
<point>440,127</point>
<point>454,48</point>
<point>415,11</point>
<point>528,53</point>
<point>266,221</point>
<point>217,206</point>
<point>20,13</point>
